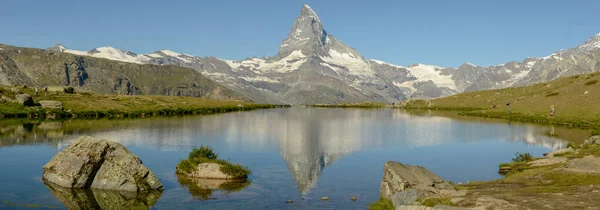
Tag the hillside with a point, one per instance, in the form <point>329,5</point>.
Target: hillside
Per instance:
<point>576,100</point>
<point>94,105</point>
<point>37,67</point>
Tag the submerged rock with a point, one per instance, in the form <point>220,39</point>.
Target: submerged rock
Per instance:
<point>103,199</point>
<point>203,189</point>
<point>102,164</point>
<point>404,184</point>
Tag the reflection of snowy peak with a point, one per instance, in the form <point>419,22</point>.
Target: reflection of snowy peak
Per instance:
<point>312,66</point>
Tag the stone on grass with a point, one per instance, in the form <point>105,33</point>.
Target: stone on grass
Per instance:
<point>51,104</point>
<point>24,99</point>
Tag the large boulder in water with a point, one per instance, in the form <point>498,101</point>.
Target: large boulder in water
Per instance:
<point>404,184</point>
<point>102,164</point>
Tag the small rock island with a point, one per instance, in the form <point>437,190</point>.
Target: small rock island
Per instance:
<point>203,163</point>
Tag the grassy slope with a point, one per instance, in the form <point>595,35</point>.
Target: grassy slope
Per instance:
<point>47,68</point>
<point>101,105</point>
<point>532,103</point>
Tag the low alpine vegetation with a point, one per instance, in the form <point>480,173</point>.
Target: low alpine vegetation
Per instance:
<point>522,157</point>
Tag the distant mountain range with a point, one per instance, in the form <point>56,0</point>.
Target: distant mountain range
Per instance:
<point>312,67</point>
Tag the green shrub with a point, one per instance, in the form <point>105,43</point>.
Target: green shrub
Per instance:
<point>204,152</point>
<point>596,132</point>
<point>382,204</point>
<point>522,157</point>
<point>591,82</point>
<point>551,94</point>
<point>571,145</point>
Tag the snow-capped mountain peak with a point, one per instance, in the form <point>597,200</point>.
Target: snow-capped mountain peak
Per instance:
<point>169,53</point>
<point>312,66</point>
<point>306,35</point>
<point>590,44</point>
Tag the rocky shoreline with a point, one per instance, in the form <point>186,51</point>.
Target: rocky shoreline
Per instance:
<point>564,179</point>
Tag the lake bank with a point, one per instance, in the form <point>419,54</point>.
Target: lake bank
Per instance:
<point>564,179</point>
<point>93,105</point>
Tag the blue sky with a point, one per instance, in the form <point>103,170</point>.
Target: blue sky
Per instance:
<point>445,33</point>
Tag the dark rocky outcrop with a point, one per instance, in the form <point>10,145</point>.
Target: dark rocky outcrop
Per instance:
<point>24,99</point>
<point>101,164</point>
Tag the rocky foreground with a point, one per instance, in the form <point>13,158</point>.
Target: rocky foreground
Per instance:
<point>99,164</point>
<point>563,179</point>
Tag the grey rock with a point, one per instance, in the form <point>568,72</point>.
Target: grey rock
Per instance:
<point>89,162</point>
<point>208,171</point>
<point>591,140</point>
<point>24,99</point>
<point>559,152</point>
<point>587,164</point>
<point>547,161</point>
<point>446,207</point>
<point>7,99</point>
<point>51,104</point>
<point>412,207</point>
<point>404,184</point>
<point>407,197</point>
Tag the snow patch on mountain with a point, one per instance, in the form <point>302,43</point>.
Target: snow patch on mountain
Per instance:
<point>355,64</point>
<point>115,54</point>
<point>170,53</point>
<point>259,79</point>
<point>423,73</point>
<point>291,62</point>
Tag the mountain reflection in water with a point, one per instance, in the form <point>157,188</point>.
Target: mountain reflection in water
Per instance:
<point>308,139</point>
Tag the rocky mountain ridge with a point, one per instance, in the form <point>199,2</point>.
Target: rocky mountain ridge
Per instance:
<point>312,66</point>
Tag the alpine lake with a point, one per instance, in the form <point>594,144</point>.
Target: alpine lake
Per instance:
<point>299,154</point>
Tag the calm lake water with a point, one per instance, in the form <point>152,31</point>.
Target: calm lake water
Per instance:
<point>301,154</point>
